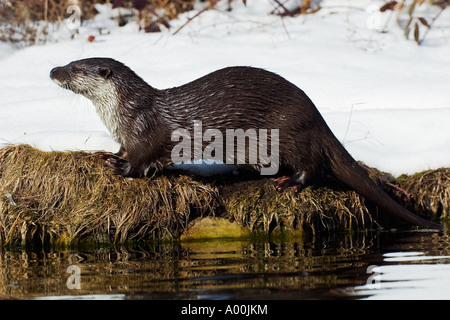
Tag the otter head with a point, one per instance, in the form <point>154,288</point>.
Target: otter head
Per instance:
<point>113,88</point>
<point>90,77</point>
<point>99,80</point>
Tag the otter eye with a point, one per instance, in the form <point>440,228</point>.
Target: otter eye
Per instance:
<point>74,69</point>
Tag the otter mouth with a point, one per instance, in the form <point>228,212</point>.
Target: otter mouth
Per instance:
<point>63,84</point>
<point>61,77</point>
<point>70,86</point>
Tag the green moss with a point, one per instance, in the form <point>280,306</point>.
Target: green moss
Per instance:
<point>214,228</point>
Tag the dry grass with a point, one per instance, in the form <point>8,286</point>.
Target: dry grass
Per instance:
<point>312,210</point>
<point>65,198</point>
<point>26,22</point>
<point>60,197</point>
<point>19,11</point>
<point>428,192</point>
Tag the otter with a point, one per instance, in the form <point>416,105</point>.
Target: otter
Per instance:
<point>142,119</point>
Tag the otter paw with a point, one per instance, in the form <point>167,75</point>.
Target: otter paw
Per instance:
<point>282,183</point>
<point>287,182</point>
<point>103,155</point>
<point>118,166</point>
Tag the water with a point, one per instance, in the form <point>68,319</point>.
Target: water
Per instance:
<point>380,265</point>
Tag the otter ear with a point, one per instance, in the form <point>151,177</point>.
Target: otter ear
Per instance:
<point>105,72</point>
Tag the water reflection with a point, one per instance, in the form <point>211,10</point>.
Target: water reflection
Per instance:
<point>411,274</point>
<point>320,268</point>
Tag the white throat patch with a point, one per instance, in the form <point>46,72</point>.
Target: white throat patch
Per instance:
<point>106,102</point>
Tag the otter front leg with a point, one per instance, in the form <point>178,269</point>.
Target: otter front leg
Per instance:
<point>133,168</point>
<point>118,162</point>
<point>296,181</point>
<point>120,166</point>
<point>121,154</point>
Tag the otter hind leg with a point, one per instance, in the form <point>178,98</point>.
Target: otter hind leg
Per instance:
<point>296,181</point>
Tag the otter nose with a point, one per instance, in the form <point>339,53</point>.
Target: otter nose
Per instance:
<point>53,72</point>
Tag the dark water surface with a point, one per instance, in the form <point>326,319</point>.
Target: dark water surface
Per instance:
<point>386,265</point>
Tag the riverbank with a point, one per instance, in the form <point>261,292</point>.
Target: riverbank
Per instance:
<point>70,198</point>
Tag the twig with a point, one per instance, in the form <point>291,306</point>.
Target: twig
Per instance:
<point>286,11</point>
<point>350,120</point>
<point>45,10</point>
<point>285,29</point>
<point>431,24</point>
<point>211,5</point>
<point>399,189</point>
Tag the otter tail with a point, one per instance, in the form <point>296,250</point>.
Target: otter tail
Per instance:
<point>347,170</point>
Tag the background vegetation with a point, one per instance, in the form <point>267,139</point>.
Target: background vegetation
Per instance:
<point>29,22</point>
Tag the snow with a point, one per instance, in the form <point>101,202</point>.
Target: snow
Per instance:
<point>386,98</point>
